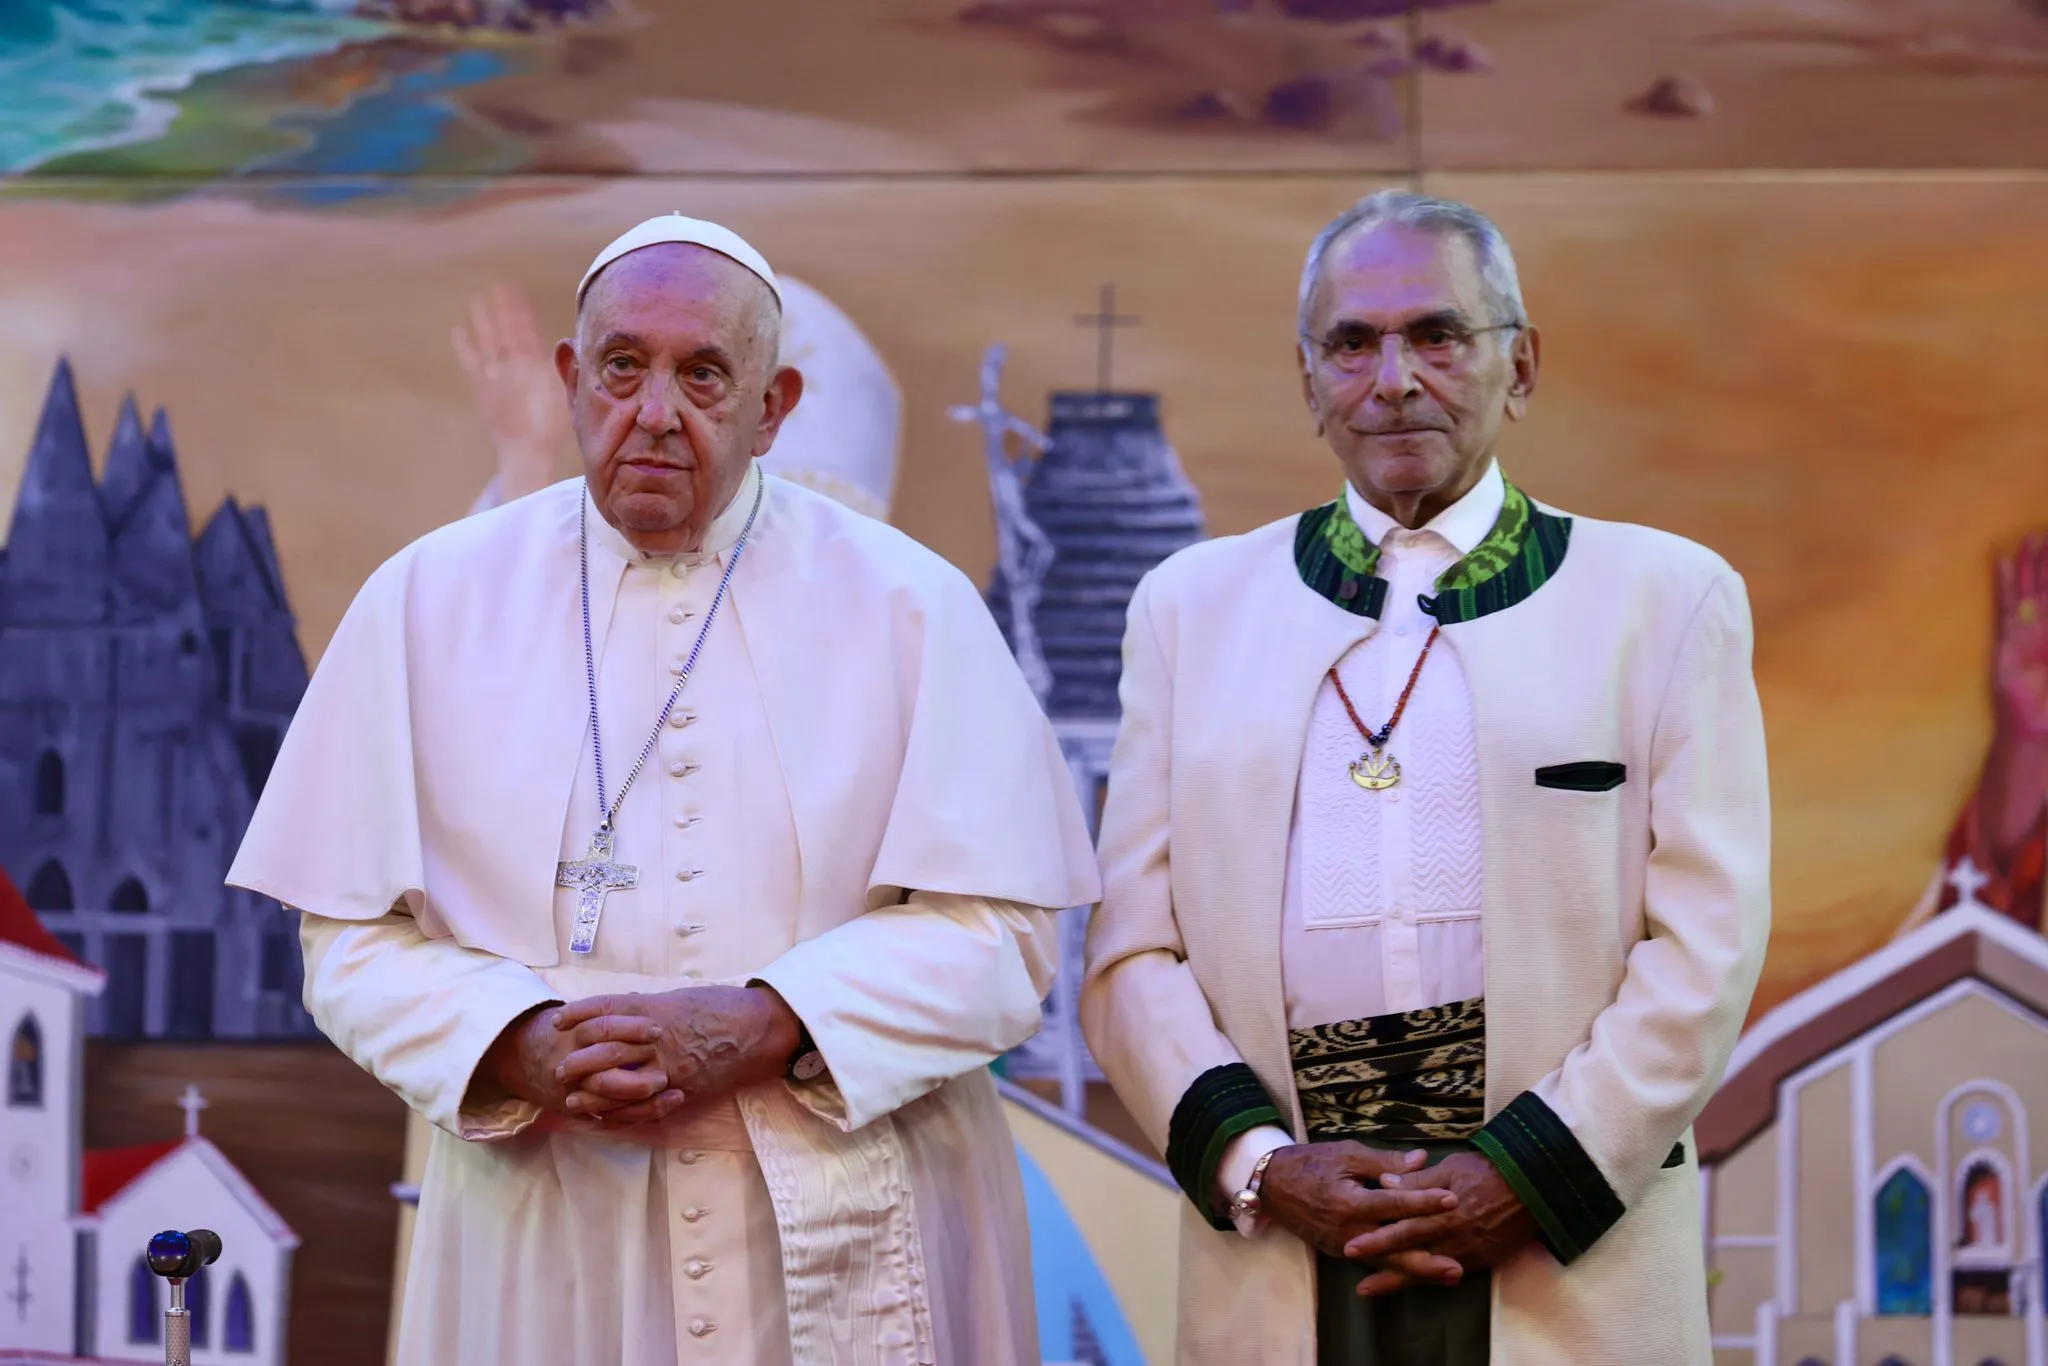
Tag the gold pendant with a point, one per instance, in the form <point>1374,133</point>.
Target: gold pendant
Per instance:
<point>1376,770</point>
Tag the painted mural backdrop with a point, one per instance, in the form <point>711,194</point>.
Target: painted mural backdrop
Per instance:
<point>1788,263</point>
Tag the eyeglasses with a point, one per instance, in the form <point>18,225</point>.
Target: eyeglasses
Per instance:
<point>1442,343</point>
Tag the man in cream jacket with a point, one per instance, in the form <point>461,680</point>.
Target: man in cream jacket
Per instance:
<point>1436,868</point>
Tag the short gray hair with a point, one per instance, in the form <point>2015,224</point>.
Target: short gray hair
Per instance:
<point>1420,211</point>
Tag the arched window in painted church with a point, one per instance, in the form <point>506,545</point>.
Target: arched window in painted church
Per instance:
<point>50,888</point>
<point>1905,1245</point>
<point>130,897</point>
<point>241,1321</point>
<point>25,1066</point>
<point>1982,1223</point>
<point>144,1322</point>
<point>50,784</point>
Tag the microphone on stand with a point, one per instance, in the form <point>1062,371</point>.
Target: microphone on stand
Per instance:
<point>177,1257</point>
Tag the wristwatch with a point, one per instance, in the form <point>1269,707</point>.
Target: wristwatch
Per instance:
<point>1244,1206</point>
<point>807,1063</point>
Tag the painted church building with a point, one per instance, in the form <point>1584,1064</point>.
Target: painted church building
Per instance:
<point>1876,1166</point>
<point>73,1283</point>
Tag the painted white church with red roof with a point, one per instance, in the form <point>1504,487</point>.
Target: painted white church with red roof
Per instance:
<point>73,1224</point>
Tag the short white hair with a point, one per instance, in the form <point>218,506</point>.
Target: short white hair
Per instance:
<point>1426,214</point>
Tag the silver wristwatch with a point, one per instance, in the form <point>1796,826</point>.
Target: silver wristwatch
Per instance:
<point>1244,1206</point>
<point>807,1063</point>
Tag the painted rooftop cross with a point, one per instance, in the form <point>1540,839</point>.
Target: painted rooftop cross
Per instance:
<point>192,1103</point>
<point>1105,320</point>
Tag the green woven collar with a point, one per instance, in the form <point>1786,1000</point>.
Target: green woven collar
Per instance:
<point>1518,556</point>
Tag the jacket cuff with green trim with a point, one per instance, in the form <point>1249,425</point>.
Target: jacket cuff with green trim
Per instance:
<point>1556,1180</point>
<point>1221,1104</point>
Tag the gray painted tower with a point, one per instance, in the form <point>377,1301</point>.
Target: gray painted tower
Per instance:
<point>145,683</point>
<point>1106,493</point>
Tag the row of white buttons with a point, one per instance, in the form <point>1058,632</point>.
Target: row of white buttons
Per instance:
<point>696,1268</point>
<point>682,768</point>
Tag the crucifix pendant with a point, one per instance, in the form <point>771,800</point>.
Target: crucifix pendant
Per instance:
<point>1375,770</point>
<point>593,876</point>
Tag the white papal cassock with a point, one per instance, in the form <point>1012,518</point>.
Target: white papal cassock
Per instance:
<point>857,800</point>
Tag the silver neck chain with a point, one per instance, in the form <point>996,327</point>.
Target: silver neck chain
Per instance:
<point>608,810</point>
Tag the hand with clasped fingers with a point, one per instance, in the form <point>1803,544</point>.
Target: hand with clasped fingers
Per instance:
<point>531,1061</point>
<point>1331,1194</point>
<point>706,1042</point>
<point>1484,1225</point>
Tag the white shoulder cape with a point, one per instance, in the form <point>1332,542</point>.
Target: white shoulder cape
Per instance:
<point>433,756</point>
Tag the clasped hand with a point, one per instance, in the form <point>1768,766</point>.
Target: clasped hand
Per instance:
<point>1413,1225</point>
<point>631,1059</point>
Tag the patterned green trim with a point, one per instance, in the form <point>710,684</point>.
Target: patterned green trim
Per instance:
<point>1334,558</point>
<point>1520,555</point>
<point>1544,1164</point>
<point>1221,1104</point>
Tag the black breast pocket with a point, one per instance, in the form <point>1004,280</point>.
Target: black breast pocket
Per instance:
<point>1591,775</point>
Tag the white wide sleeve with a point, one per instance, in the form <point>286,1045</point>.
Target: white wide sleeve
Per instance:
<point>909,996</point>
<point>418,1013</point>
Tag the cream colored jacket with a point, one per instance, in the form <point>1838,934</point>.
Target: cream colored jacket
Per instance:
<point>1625,928</point>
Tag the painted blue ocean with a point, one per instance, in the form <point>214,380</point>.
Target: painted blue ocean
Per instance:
<point>80,74</point>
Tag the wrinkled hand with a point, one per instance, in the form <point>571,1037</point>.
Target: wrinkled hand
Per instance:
<point>1488,1225</point>
<point>528,1061</point>
<point>512,374</point>
<point>708,1041</point>
<point>1327,1194</point>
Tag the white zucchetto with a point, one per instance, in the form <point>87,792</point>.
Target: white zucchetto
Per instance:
<point>696,232</point>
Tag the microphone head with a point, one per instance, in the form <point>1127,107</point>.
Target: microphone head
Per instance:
<point>205,1247</point>
<point>170,1253</point>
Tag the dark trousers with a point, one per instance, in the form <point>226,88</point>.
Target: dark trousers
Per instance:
<point>1424,1325</point>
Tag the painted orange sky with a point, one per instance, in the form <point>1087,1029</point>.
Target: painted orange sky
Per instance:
<point>1825,379</point>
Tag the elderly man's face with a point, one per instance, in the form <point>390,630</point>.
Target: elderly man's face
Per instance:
<point>673,389</point>
<point>1406,369</point>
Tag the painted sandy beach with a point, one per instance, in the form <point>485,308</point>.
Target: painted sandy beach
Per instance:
<point>1339,87</point>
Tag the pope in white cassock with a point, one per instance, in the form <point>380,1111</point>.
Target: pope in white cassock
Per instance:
<point>684,845</point>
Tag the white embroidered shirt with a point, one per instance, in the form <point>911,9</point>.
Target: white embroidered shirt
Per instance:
<point>1381,905</point>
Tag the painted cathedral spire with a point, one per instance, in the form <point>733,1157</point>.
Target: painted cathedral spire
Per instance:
<point>149,685</point>
<point>128,463</point>
<point>153,568</point>
<point>57,563</point>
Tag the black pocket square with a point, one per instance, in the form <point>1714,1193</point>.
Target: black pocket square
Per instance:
<point>1593,775</point>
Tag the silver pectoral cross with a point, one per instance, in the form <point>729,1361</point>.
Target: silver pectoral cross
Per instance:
<point>593,876</point>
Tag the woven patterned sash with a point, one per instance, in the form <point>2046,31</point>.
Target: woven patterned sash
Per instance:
<point>1418,1076</point>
